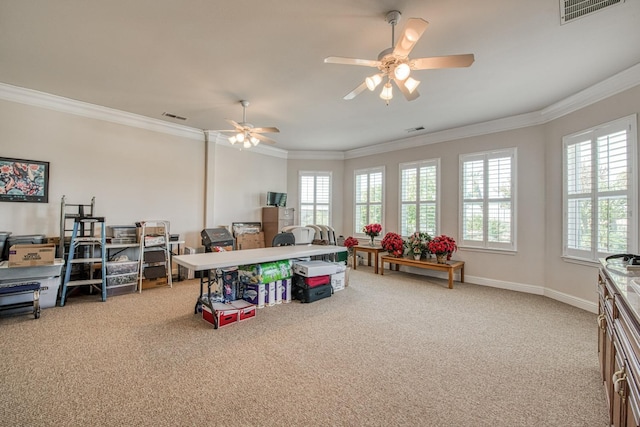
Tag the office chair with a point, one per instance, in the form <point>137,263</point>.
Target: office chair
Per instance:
<point>283,239</point>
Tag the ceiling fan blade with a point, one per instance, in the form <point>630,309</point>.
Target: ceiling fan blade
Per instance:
<point>451,61</point>
<point>228,130</point>
<point>410,96</point>
<point>357,91</point>
<point>235,124</point>
<point>265,130</point>
<point>263,138</point>
<point>351,61</point>
<point>410,36</point>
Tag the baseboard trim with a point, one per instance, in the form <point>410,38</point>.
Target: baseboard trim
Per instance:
<point>571,300</point>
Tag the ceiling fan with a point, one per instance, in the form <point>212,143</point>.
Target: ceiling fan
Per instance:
<point>245,133</point>
<point>394,63</point>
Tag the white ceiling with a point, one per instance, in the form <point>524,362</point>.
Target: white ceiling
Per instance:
<point>199,58</point>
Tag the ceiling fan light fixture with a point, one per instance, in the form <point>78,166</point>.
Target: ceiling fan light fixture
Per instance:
<point>402,71</point>
<point>240,137</point>
<point>247,144</point>
<point>387,92</point>
<point>255,141</point>
<point>232,140</point>
<point>373,81</point>
<point>411,84</point>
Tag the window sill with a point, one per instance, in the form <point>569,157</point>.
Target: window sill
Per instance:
<point>581,261</point>
<point>488,250</point>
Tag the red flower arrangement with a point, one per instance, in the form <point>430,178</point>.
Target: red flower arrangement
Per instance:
<point>350,242</point>
<point>442,244</point>
<point>393,243</point>
<point>372,230</point>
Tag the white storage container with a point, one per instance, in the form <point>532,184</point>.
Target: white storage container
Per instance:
<point>48,293</point>
<point>122,267</point>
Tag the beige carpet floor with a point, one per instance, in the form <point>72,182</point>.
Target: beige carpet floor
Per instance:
<point>393,350</point>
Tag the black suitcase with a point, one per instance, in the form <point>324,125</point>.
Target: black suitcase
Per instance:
<point>311,294</point>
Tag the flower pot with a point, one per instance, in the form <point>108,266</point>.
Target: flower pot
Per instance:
<point>417,257</point>
<point>441,258</point>
<point>372,242</point>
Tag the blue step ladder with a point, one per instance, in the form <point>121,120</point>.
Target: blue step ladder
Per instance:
<point>82,258</point>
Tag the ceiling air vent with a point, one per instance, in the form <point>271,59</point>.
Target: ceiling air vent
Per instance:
<point>173,116</point>
<point>419,128</point>
<point>574,9</point>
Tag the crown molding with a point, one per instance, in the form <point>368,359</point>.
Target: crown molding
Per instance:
<point>84,109</point>
<point>316,155</point>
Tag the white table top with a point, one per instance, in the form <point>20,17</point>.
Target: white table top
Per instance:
<point>211,260</point>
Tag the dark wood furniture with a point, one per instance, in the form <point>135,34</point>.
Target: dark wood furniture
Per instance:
<point>450,266</point>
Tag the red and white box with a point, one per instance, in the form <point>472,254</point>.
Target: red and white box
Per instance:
<point>222,315</point>
<point>246,310</point>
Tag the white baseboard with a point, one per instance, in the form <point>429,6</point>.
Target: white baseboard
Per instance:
<point>513,286</point>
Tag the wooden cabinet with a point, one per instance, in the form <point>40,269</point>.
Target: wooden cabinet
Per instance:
<point>274,218</point>
<point>619,345</point>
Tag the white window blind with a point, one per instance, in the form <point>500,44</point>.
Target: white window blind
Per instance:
<point>368,196</point>
<point>419,203</point>
<point>315,198</point>
<point>487,199</point>
<point>600,191</point>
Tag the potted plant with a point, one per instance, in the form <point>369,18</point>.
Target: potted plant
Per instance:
<point>417,244</point>
<point>372,230</point>
<point>393,243</point>
<point>443,246</point>
<point>349,243</point>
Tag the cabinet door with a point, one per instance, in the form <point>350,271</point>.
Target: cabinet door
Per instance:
<point>632,410</point>
<point>618,402</point>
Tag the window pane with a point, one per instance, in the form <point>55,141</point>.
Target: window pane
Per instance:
<point>409,185</point>
<point>499,222</point>
<point>428,218</point>
<point>579,224</point>
<point>473,176</point>
<point>579,168</point>
<point>322,189</point>
<point>428,183</point>
<point>361,218</point>
<point>408,220</point>
<point>612,162</point>
<point>375,187</point>
<point>472,221</point>
<point>306,214</point>
<point>375,214</point>
<point>499,178</point>
<point>322,215</point>
<point>612,225</point>
<point>307,189</point>
<point>362,184</point>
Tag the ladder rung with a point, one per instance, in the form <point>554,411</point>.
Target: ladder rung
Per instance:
<point>85,240</point>
<point>84,282</point>
<point>85,260</point>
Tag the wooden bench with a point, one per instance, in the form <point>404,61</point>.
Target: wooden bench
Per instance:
<point>450,266</point>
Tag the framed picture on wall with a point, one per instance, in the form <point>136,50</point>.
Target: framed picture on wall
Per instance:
<point>24,180</point>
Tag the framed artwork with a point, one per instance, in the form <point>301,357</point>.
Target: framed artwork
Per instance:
<point>24,180</point>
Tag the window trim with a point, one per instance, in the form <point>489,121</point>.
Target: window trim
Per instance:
<point>368,171</point>
<point>485,245</point>
<point>315,174</point>
<point>630,124</point>
<point>418,164</point>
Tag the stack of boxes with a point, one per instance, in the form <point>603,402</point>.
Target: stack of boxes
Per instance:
<point>312,280</point>
<point>266,284</point>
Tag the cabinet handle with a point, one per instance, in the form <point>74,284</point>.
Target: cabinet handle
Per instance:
<point>615,379</point>
<point>608,298</point>
<point>617,386</point>
<point>601,321</point>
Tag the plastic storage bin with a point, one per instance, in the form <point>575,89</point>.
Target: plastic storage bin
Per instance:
<point>122,267</point>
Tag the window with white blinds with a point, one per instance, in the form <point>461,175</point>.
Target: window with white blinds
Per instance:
<point>419,201</point>
<point>600,191</point>
<point>368,196</point>
<point>315,198</point>
<point>487,200</point>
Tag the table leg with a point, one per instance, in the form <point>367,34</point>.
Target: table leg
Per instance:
<point>369,259</point>
<point>462,274</point>
<point>382,268</point>
<point>450,278</point>
<point>355,259</point>
<point>375,264</point>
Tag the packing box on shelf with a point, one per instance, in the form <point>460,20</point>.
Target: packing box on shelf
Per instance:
<point>222,314</point>
<point>314,268</point>
<point>31,255</point>
<point>250,240</point>
<point>246,310</point>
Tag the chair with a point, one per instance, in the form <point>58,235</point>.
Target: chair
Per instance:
<point>283,239</point>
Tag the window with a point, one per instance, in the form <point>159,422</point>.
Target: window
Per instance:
<point>600,191</point>
<point>488,200</point>
<point>369,187</point>
<point>419,203</point>
<point>315,198</point>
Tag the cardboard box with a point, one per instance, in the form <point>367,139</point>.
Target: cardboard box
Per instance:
<point>314,268</point>
<point>255,294</point>
<point>338,281</point>
<point>32,255</point>
<point>250,240</point>
<point>224,314</point>
<point>151,231</point>
<point>246,310</point>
